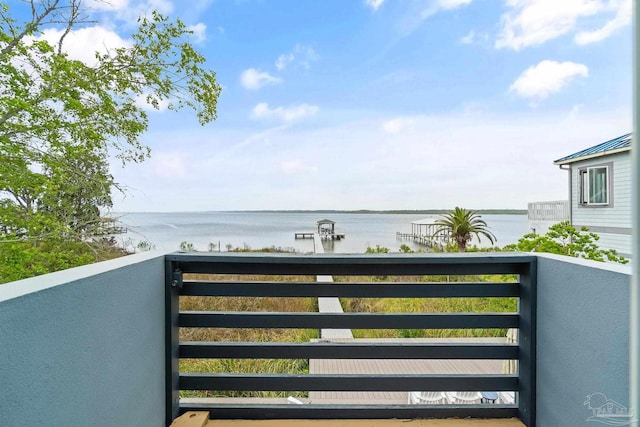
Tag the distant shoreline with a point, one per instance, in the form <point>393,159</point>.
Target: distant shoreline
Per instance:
<point>359,211</point>
<point>397,211</point>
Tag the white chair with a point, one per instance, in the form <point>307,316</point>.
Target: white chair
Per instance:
<point>427,397</point>
<point>507,397</point>
<point>464,397</point>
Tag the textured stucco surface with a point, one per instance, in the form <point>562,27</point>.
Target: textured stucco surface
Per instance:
<point>583,337</point>
<point>85,346</point>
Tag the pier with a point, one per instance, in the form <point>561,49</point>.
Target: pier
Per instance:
<point>425,232</point>
<point>305,235</point>
<point>328,304</point>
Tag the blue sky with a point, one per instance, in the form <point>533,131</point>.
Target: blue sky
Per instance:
<point>382,104</point>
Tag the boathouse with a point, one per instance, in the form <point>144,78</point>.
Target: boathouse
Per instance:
<point>326,230</point>
<point>326,226</point>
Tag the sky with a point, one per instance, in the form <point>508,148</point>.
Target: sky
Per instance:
<point>379,104</point>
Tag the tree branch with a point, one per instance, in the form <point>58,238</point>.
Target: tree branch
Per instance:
<point>31,26</point>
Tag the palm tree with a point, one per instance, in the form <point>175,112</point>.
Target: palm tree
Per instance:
<point>462,224</point>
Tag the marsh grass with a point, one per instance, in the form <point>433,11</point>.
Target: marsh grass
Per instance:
<point>262,304</point>
<point>429,305</point>
<point>301,366</point>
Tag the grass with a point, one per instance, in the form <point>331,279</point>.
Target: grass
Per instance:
<point>278,304</point>
<point>268,366</point>
<point>429,305</point>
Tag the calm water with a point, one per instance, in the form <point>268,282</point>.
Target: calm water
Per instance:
<point>258,230</point>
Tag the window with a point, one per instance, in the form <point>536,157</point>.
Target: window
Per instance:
<point>594,185</point>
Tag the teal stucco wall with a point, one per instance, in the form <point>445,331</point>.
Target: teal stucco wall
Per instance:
<point>582,338</point>
<point>85,346</point>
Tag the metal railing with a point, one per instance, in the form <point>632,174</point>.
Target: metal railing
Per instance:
<point>524,289</point>
<point>557,210</point>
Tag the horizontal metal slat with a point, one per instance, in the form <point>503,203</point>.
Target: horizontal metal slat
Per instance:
<point>326,350</point>
<point>197,319</point>
<point>317,382</point>
<point>313,411</point>
<point>352,290</point>
<point>376,265</point>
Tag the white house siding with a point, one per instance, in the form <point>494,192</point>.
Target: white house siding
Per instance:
<point>612,223</point>
<point>619,242</point>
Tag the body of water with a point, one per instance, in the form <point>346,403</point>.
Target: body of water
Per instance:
<point>265,229</point>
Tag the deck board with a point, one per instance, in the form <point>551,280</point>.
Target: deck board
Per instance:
<point>397,366</point>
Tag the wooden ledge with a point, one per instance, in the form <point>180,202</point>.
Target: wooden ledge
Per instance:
<point>200,419</point>
<point>192,419</point>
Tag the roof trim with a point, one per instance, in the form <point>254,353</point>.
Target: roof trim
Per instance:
<point>591,156</point>
<point>326,221</point>
<point>616,145</point>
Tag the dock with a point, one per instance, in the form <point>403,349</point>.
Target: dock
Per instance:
<point>304,235</point>
<point>423,239</point>
<point>326,231</point>
<point>427,233</point>
<point>329,304</point>
<point>326,236</point>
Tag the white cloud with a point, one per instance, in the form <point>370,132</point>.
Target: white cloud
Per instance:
<point>82,44</point>
<point>546,78</point>
<point>397,125</point>
<point>106,5</point>
<point>302,55</point>
<point>199,32</point>
<point>283,60</point>
<point>621,20</point>
<point>418,12</point>
<point>452,4</point>
<point>306,55</point>
<point>479,39</point>
<point>374,4</point>
<point>129,11</point>
<point>169,164</point>
<point>534,22</point>
<point>253,79</point>
<point>141,101</point>
<point>514,162</point>
<point>575,112</point>
<point>468,39</point>
<point>296,166</point>
<point>285,114</point>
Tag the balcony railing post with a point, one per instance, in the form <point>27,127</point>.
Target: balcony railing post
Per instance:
<point>173,280</point>
<point>527,345</point>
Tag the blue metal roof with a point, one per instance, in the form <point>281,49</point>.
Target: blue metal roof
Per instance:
<point>623,141</point>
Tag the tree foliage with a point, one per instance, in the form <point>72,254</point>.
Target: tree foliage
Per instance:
<point>61,120</point>
<point>564,239</point>
<point>21,259</point>
<point>461,225</point>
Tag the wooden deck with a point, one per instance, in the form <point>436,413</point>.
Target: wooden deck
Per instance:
<point>376,366</point>
<point>388,366</point>
<point>304,235</point>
